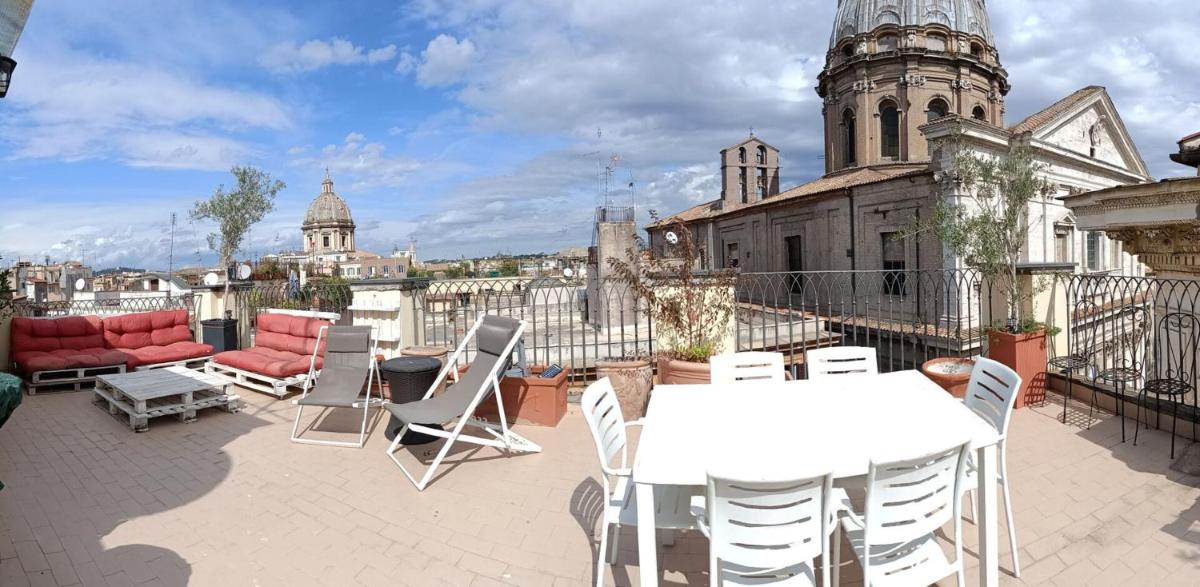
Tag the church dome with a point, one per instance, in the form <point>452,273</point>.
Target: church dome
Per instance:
<point>328,208</point>
<point>855,17</point>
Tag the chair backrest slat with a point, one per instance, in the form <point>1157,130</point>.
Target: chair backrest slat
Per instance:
<point>766,529</point>
<point>603,415</point>
<point>992,392</point>
<point>749,366</point>
<point>841,360</point>
<point>911,497</point>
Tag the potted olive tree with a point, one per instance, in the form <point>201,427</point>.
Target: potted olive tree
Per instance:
<point>989,232</point>
<point>235,211</point>
<point>691,309</point>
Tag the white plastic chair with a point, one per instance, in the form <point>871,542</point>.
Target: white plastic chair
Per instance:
<point>750,366</point>
<point>991,394</point>
<point>841,360</point>
<point>908,500</point>
<point>768,531</point>
<point>604,419</point>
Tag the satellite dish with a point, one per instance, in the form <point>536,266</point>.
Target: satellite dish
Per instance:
<point>672,237</point>
<point>80,284</point>
<point>568,272</point>
<point>211,278</point>
<point>244,270</point>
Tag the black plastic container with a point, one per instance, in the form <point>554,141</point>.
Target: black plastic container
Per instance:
<point>221,333</point>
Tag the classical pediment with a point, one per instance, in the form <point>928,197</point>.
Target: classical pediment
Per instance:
<point>1087,125</point>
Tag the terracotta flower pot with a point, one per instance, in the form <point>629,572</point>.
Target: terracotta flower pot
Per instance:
<point>951,373</point>
<point>529,400</point>
<point>675,371</point>
<point>1026,354</point>
<point>632,380</point>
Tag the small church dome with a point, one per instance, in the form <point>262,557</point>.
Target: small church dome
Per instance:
<point>328,208</point>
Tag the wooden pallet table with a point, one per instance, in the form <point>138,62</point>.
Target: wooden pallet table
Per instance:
<point>171,391</point>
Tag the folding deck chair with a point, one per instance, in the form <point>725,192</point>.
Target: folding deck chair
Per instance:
<point>349,363</point>
<point>495,337</point>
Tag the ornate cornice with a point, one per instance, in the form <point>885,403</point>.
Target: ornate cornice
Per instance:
<point>1141,201</point>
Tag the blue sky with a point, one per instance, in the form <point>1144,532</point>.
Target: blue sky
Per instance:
<point>471,125</point>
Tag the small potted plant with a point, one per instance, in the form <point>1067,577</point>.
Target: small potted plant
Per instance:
<point>951,373</point>
<point>988,229</point>
<point>691,309</point>
<point>632,376</point>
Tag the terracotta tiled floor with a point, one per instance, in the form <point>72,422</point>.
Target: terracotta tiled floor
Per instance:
<point>227,500</point>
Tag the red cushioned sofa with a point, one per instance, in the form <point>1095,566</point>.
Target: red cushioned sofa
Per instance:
<point>62,351</point>
<point>154,339</point>
<point>282,354</point>
<point>73,350</point>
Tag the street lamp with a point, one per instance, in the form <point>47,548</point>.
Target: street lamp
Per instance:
<point>13,14</point>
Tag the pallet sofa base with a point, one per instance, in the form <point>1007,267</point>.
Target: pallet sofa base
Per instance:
<point>196,363</point>
<point>73,379</point>
<point>255,381</point>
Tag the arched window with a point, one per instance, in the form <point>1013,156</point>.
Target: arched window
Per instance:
<point>889,130</point>
<point>848,50</point>
<point>977,51</point>
<point>886,43</point>
<point>938,109</point>
<point>935,43</point>
<point>762,155</point>
<point>849,145</point>
<point>979,113</point>
<point>742,155</point>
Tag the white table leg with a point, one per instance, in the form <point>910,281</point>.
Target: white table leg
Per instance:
<point>647,541</point>
<point>989,551</point>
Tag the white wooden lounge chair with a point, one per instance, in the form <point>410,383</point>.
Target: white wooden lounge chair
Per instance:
<point>349,363</point>
<point>748,366</point>
<point>495,338</point>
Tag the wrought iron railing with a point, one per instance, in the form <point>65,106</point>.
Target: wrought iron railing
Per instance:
<point>909,317</point>
<point>103,306</point>
<point>322,295</point>
<point>568,323</point>
<point>1146,325</point>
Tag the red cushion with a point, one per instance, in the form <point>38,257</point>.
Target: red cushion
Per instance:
<point>176,351</point>
<point>266,361</point>
<point>292,334</point>
<point>31,361</point>
<point>134,331</point>
<point>52,334</point>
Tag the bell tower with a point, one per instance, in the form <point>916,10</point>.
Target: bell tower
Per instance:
<point>894,65</point>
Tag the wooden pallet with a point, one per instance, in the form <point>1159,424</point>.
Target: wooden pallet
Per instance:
<point>255,381</point>
<point>197,363</point>
<point>176,391</point>
<point>74,379</point>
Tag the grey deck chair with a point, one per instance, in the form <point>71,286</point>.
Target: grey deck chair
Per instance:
<point>349,363</point>
<point>495,338</point>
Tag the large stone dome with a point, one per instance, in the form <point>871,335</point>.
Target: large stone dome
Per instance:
<point>328,209</point>
<point>855,17</point>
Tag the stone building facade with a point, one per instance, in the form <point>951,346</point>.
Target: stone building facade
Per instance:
<point>900,81</point>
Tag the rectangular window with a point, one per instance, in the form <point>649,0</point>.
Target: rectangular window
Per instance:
<point>1092,247</point>
<point>794,245</point>
<point>742,185</point>
<point>325,240</point>
<point>762,184</point>
<point>731,256</point>
<point>893,263</point>
<point>387,269</point>
<point>1062,248</point>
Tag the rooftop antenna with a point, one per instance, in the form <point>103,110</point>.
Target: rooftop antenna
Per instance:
<point>171,257</point>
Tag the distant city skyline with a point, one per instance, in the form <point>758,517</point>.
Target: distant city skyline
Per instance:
<point>472,127</point>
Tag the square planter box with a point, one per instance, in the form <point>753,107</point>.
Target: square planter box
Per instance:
<point>1025,354</point>
<point>529,400</point>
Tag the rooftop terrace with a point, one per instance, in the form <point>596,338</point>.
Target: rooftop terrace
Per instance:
<point>227,500</point>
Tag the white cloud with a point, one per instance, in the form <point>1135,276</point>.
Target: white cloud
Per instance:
<point>445,60</point>
<point>289,57</point>
<point>365,165</point>
<point>407,63</point>
<point>73,106</point>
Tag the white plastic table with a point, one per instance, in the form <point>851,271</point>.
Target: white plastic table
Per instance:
<point>762,426</point>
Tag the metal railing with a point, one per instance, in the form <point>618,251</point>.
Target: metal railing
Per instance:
<point>1146,325</point>
<point>113,306</point>
<point>569,324</point>
<point>908,316</point>
<point>318,295</point>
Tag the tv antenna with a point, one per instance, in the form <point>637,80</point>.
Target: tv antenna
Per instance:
<point>171,257</point>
